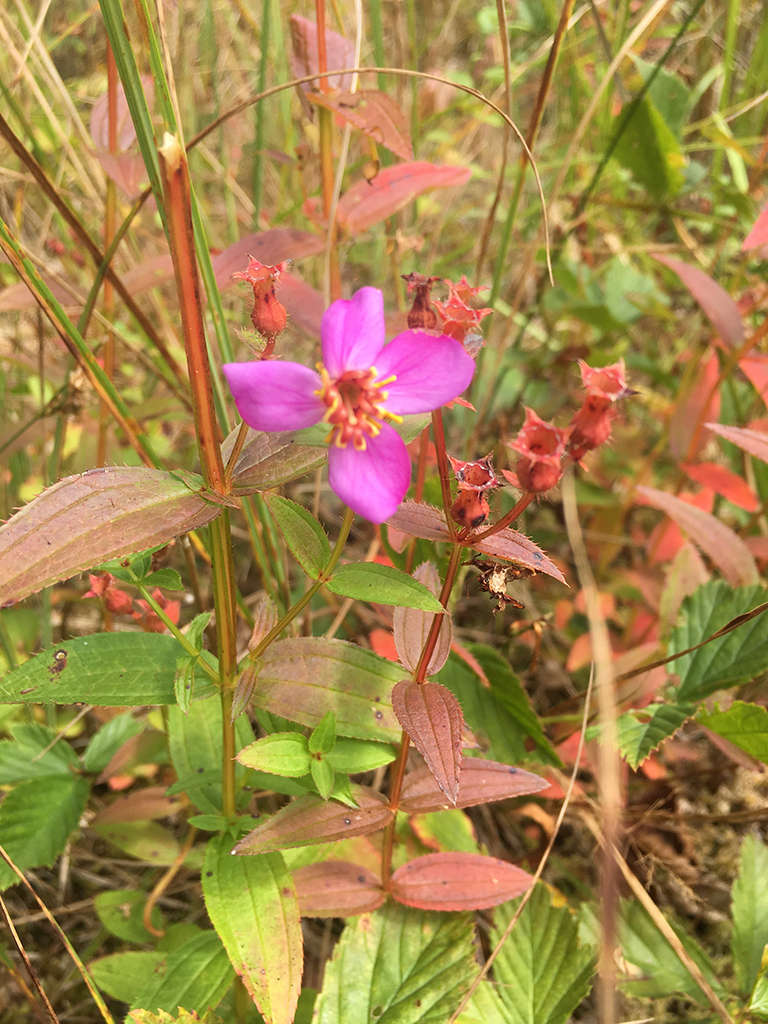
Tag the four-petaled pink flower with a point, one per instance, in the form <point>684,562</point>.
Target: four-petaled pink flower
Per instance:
<point>362,386</point>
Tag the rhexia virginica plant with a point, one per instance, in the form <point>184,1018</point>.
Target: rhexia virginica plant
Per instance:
<point>362,387</point>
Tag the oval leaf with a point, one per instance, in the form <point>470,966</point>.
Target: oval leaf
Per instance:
<point>87,519</point>
<point>269,459</point>
<point>481,783</point>
<point>516,547</point>
<point>718,305</point>
<point>382,584</point>
<point>340,53</point>
<point>310,820</point>
<point>268,247</point>
<point>335,888</point>
<point>752,441</point>
<point>303,534</point>
<point>412,626</point>
<point>726,483</point>
<point>374,113</point>
<point>420,520</point>
<point>282,753</point>
<point>726,549</point>
<point>458,881</point>
<point>253,907</point>
<point>367,203</point>
<point>432,717</point>
<point>105,669</point>
<point>304,678</point>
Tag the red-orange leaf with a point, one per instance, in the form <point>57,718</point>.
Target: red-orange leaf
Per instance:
<point>698,401</point>
<point>309,820</point>
<point>373,112</point>
<point>752,441</point>
<point>458,881</point>
<point>759,233</point>
<point>730,485</point>
<point>481,783</point>
<point>340,53</point>
<point>432,717</point>
<point>726,549</point>
<point>755,368</point>
<point>718,305</point>
<point>143,805</point>
<point>336,888</point>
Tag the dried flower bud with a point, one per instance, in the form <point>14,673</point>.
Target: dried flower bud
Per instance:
<point>539,441</point>
<point>590,427</point>
<point>537,477</point>
<point>149,620</point>
<point>470,509</point>
<point>269,315</point>
<point>475,476</point>
<point>421,316</point>
<point>606,381</point>
<point>460,320</point>
<point>115,600</point>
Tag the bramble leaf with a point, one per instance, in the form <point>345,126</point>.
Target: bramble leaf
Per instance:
<point>745,725</point>
<point>197,974</point>
<point>643,730</point>
<point>750,912</point>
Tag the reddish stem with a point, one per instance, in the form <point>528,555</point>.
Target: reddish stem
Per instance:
<point>510,517</point>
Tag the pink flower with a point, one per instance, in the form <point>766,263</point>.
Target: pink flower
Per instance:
<point>362,386</point>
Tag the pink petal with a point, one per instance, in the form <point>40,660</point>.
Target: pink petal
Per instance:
<point>372,482</point>
<point>430,370</point>
<point>353,332</point>
<point>275,396</point>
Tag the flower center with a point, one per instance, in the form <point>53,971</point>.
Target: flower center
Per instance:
<point>355,403</point>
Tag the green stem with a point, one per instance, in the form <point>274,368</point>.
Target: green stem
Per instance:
<point>174,630</point>
<point>258,158</point>
<point>303,601</point>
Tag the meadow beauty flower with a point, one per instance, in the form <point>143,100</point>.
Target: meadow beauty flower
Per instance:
<point>361,387</point>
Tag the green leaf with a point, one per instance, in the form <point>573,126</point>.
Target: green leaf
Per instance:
<point>643,730</point>
<point>122,975</point>
<point>382,584</point>
<point>282,753</point>
<point>322,776</point>
<point>743,724</point>
<point>184,682</point>
<point>197,627</point>
<point>303,678</point>
<point>758,1004</point>
<point>645,947</point>
<point>184,1017</point>
<point>108,740</point>
<point>649,149</point>
<point>145,840</point>
<point>253,906</point>
<point>168,579</point>
<point>733,658</point>
<point>543,972</point>
<point>196,746</point>
<point>197,975</point>
<point>354,756</point>
<point>500,717</point>
<point>269,459</point>
<point>398,966</point>
<point>670,94</point>
<point>27,756</point>
<point>303,534</point>
<point>89,518</point>
<point>105,669</point>
<point>750,912</point>
<point>120,911</point>
<point>323,736</point>
<point>485,1007</point>
<point>36,819</point>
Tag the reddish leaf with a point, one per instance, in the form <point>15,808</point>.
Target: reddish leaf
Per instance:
<point>432,717</point>
<point>724,482</point>
<point>87,519</point>
<point>17,297</point>
<point>419,520</point>
<point>755,369</point>
<point>690,409</point>
<point>759,233</point>
<point>142,805</point>
<point>755,442</point>
<point>336,888</point>
<point>126,133</point>
<point>374,113</point>
<point>481,782</point>
<point>339,53</point>
<point>268,247</point>
<point>367,203</point>
<point>725,548</point>
<point>309,820</point>
<point>412,627</point>
<point>304,304</point>
<point>458,881</point>
<point>719,307</point>
<point>516,547</point>
<point>267,460</point>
